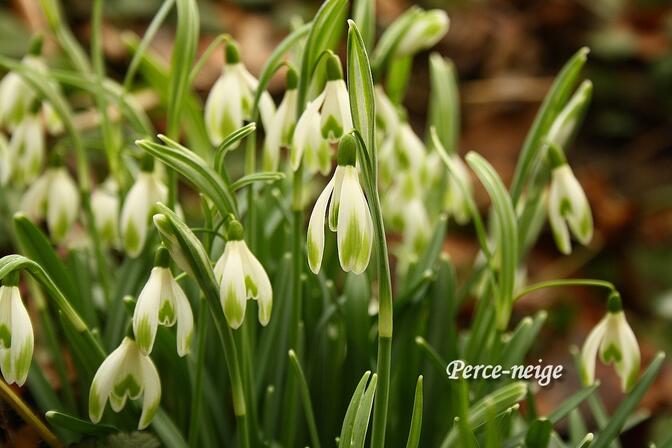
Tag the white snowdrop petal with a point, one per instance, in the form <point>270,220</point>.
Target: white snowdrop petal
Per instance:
<point>185,319</point>
<point>355,229</point>
<point>257,280</point>
<point>315,239</point>
<point>22,339</point>
<point>34,200</point>
<point>62,204</point>
<point>589,352</point>
<point>146,313</point>
<point>232,291</point>
<point>152,391</point>
<point>103,382</point>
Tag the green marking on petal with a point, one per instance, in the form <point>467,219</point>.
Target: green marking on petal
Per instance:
<point>143,335</point>
<point>351,243</point>
<point>565,207</point>
<point>167,313</point>
<point>332,129</point>
<point>314,254</point>
<point>132,238</point>
<point>5,337</point>
<point>228,124</point>
<point>61,228</point>
<point>250,287</point>
<point>611,354</point>
<point>95,406</point>
<point>233,311</point>
<point>149,415</point>
<point>22,363</point>
<point>128,386</point>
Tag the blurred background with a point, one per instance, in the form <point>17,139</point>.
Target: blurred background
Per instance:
<point>506,54</point>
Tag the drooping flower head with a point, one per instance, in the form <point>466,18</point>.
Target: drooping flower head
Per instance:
<point>105,209</point>
<point>125,373</point>
<point>16,96</point>
<point>26,150</point>
<point>231,98</point>
<point>568,209</point>
<point>348,215</point>
<point>162,302</point>
<point>241,276</point>
<point>280,132</point>
<point>137,209</point>
<point>614,341</point>
<point>16,333</point>
<point>426,30</point>
<point>324,121</point>
<point>56,196</point>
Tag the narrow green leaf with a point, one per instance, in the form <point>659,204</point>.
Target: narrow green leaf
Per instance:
<point>305,398</point>
<point>507,239</point>
<point>165,429</point>
<point>345,439</point>
<point>444,102</point>
<point>416,417</point>
<point>182,59</point>
<point>230,142</point>
<point>627,406</point>
<point>539,434</point>
<point>360,90</point>
<point>364,14</point>
<point>325,26</point>
<point>553,104</point>
<point>361,424</point>
<point>264,176</point>
<point>78,425</point>
<point>195,170</point>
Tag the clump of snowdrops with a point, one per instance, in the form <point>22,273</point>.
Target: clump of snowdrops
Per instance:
<point>264,316</point>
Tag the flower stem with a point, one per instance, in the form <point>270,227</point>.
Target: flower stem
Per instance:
<point>21,408</point>
<point>566,282</point>
<point>197,392</point>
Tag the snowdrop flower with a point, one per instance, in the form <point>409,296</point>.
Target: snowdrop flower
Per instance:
<point>408,148</point>
<point>162,302</point>
<point>230,100</point>
<point>616,344</point>
<point>427,29</point>
<point>324,121</point>
<point>125,373</point>
<point>456,199</point>
<point>52,120</point>
<point>348,215</point>
<point>16,333</point>
<point>26,150</point>
<point>281,129</point>
<point>16,96</point>
<point>568,209</point>
<point>387,116</point>
<point>54,194</point>
<point>242,277</point>
<point>137,208</point>
<point>105,208</point>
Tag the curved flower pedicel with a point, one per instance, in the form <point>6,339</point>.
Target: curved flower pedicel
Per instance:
<point>55,194</point>
<point>281,129</point>
<point>616,344</point>
<point>162,302</point>
<point>137,208</point>
<point>125,373</point>
<point>349,215</point>
<point>324,121</point>
<point>230,100</point>
<point>241,276</point>
<point>568,209</point>
<point>16,333</point>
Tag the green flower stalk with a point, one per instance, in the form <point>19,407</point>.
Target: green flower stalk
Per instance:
<point>242,277</point>
<point>614,341</point>
<point>229,103</point>
<point>56,196</point>
<point>137,209</point>
<point>162,302</point>
<point>16,333</point>
<point>125,374</point>
<point>348,215</point>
